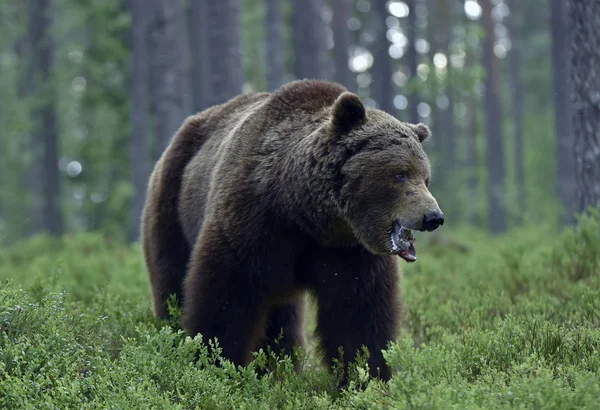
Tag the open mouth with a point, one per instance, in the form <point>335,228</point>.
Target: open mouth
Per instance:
<point>403,242</point>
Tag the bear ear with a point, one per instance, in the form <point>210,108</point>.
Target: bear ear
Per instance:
<point>348,111</point>
<point>423,132</point>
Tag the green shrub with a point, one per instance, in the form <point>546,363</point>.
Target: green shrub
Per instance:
<point>505,322</point>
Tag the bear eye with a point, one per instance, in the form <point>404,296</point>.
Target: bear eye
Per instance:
<point>427,182</point>
<point>402,177</point>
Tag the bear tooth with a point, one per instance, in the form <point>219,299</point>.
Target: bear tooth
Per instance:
<point>394,245</point>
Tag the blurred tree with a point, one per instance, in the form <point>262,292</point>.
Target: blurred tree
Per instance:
<point>170,94</point>
<point>43,117</point>
<point>446,99</point>
<point>311,59</point>
<point>411,60</point>
<point>516,88</point>
<point>430,93</point>
<point>496,190</point>
<point>226,72</point>
<point>584,24</point>
<point>199,46</point>
<point>96,92</point>
<point>275,49</point>
<point>342,11</point>
<point>138,149</point>
<point>471,132</point>
<point>383,90</point>
<point>27,49</point>
<point>565,156</point>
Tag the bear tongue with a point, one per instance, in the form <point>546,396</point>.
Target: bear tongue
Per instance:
<point>402,243</point>
<point>409,255</point>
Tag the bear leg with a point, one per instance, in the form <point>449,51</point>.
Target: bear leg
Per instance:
<point>358,305</point>
<point>224,313</point>
<point>166,251</point>
<point>221,300</point>
<point>284,329</point>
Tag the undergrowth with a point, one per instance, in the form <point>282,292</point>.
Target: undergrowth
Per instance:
<point>506,322</point>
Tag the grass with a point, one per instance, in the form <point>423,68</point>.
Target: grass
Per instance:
<point>509,322</point>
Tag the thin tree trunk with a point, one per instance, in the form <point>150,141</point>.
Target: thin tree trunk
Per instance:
<point>381,72</point>
<point>171,92</point>
<point>138,150</point>
<point>565,156</point>
<point>46,184</point>
<point>199,25</point>
<point>516,86</point>
<point>343,39</point>
<point>471,132</point>
<point>52,213</point>
<point>226,50</point>
<point>437,148</point>
<point>311,59</point>
<point>275,49</point>
<point>28,87</point>
<point>584,24</point>
<point>411,60</point>
<point>449,125</point>
<point>494,128</point>
<point>24,62</point>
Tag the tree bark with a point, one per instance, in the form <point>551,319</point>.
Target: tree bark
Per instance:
<point>311,58</point>
<point>516,85</point>
<point>343,39</point>
<point>471,131</point>
<point>275,49</point>
<point>437,144</point>
<point>226,50</point>
<point>43,117</point>
<point>200,52</point>
<point>381,72</point>
<point>139,151</point>
<point>565,156</point>
<point>449,126</point>
<point>411,60</point>
<point>29,85</point>
<point>494,127</point>
<point>171,89</point>
<point>584,24</point>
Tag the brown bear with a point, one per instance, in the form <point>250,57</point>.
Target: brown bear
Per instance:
<point>270,195</point>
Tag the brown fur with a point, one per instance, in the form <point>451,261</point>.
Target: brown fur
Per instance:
<point>269,195</point>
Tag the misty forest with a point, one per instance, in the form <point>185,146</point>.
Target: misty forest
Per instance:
<point>502,309</point>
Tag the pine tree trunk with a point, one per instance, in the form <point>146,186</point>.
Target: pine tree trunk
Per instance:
<point>138,151</point>
<point>29,86</point>
<point>516,86</point>
<point>171,92</point>
<point>437,144</point>
<point>448,125</point>
<point>411,60</point>
<point>226,68</point>
<point>494,127</point>
<point>45,181</point>
<point>471,132</point>
<point>584,24</point>
<point>275,49</point>
<point>200,51</point>
<point>565,155</point>
<point>343,39</point>
<point>381,72</point>
<point>311,58</point>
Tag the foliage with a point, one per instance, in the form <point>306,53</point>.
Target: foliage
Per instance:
<point>509,322</point>
<point>92,77</point>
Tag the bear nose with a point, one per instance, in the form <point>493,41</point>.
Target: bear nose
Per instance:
<point>432,221</point>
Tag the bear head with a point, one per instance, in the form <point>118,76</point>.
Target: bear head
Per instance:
<point>383,177</point>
